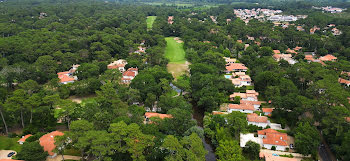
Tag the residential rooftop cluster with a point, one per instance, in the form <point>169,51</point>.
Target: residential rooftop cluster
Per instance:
<point>67,76</point>
<point>332,9</point>
<point>287,57</point>
<point>127,75</point>
<point>322,59</point>
<point>237,73</point>
<point>265,14</point>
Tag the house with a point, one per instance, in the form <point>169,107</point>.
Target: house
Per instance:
<point>276,52</point>
<point>119,64</point>
<point>10,160</point>
<point>47,141</point>
<point>286,57</point>
<point>24,138</point>
<point>243,80</point>
<point>256,104</point>
<point>238,74</point>
<point>149,115</point>
<point>250,95</point>
<point>309,58</point>
<point>314,29</point>
<point>170,20</point>
<point>274,138</point>
<point>297,48</point>
<point>240,41</point>
<point>328,57</point>
<point>344,81</point>
<point>244,108</point>
<point>129,75</point>
<point>290,51</point>
<point>267,111</point>
<point>236,67</point>
<point>230,60</point>
<point>300,28</point>
<point>67,76</point>
<point>336,32</point>
<point>266,156</point>
<point>255,119</point>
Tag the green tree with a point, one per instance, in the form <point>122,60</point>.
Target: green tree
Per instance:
<point>307,139</point>
<point>229,150</point>
<point>252,149</point>
<point>32,151</point>
<point>237,123</point>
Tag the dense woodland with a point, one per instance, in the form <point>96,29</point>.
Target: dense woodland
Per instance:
<point>110,127</point>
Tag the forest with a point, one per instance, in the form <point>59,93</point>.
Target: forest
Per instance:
<point>39,39</point>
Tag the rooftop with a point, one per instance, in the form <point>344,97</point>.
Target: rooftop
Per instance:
<point>253,117</point>
<point>153,114</point>
<point>48,141</point>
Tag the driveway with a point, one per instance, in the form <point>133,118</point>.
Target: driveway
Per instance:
<point>66,157</point>
<point>4,153</point>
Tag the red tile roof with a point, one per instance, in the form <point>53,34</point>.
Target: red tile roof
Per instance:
<point>267,109</point>
<point>328,57</point>
<point>241,107</point>
<point>291,51</point>
<point>253,117</point>
<point>309,57</point>
<point>153,114</point>
<point>276,52</point>
<point>65,78</point>
<point>24,138</point>
<point>276,139</point>
<point>343,81</point>
<point>347,119</point>
<point>269,130</point>
<point>218,113</point>
<point>10,160</point>
<point>129,73</point>
<point>250,102</point>
<point>48,141</point>
<point>236,66</point>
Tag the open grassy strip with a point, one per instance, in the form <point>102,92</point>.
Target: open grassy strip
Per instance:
<point>150,20</point>
<point>174,51</point>
<point>7,143</point>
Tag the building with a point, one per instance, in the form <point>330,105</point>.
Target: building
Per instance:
<point>267,111</point>
<point>24,138</point>
<point>244,108</point>
<point>286,57</point>
<point>276,52</point>
<point>129,75</point>
<point>47,141</point>
<point>119,64</point>
<point>67,76</point>
<point>336,32</point>
<point>243,80</point>
<point>149,115</point>
<point>236,67</point>
<point>290,51</point>
<point>344,81</point>
<point>274,138</point>
<point>328,57</point>
<point>250,95</point>
<point>255,119</point>
<point>170,20</point>
<point>256,104</point>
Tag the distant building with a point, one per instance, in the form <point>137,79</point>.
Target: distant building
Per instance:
<point>24,138</point>
<point>244,108</point>
<point>119,64</point>
<point>129,75</point>
<point>274,138</point>
<point>260,121</point>
<point>149,115</point>
<point>267,111</point>
<point>236,67</point>
<point>67,76</point>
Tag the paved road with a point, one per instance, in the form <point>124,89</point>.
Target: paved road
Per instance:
<point>324,154</point>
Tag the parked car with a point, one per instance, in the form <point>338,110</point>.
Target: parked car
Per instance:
<point>11,154</point>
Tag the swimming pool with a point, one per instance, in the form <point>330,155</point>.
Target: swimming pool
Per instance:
<point>227,76</point>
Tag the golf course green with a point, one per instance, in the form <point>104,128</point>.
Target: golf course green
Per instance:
<point>175,52</point>
<point>150,20</point>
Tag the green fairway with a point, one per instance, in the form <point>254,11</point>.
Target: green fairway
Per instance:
<point>7,143</point>
<point>174,51</point>
<point>150,20</point>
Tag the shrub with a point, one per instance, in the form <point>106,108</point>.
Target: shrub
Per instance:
<point>273,148</point>
<point>12,135</point>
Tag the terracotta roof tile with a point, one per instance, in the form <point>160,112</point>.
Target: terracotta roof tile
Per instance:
<point>24,138</point>
<point>267,109</point>
<point>241,107</point>
<point>48,141</point>
<point>236,66</point>
<point>253,117</point>
<point>153,114</point>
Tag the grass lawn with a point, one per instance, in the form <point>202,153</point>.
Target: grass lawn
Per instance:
<point>7,143</point>
<point>174,51</point>
<point>150,20</point>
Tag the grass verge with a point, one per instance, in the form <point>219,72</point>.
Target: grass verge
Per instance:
<point>150,20</point>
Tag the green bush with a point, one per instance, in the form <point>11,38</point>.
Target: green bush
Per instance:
<point>12,135</point>
<point>273,148</point>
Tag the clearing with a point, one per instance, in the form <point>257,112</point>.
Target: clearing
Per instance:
<point>150,20</point>
<point>7,143</point>
<point>175,52</point>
